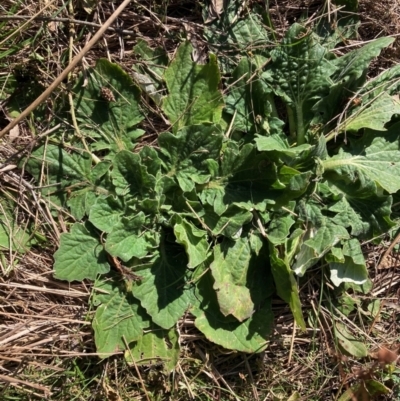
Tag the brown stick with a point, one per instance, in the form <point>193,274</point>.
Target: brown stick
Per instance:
<point>390,249</point>
<point>64,74</point>
<point>69,20</point>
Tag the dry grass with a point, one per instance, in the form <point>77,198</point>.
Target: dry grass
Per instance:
<point>45,333</point>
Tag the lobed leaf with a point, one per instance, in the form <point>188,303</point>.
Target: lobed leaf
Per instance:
<point>106,212</point>
<point>119,318</point>
<point>130,175</point>
<point>286,285</point>
<point>111,122</point>
<point>80,255</point>
<point>375,158</point>
<point>193,96</point>
<point>374,115</point>
<point>243,102</point>
<point>241,279</point>
<point>353,268</point>
<point>349,343</point>
<point>156,346</point>
<point>248,336</point>
<point>193,240</point>
<point>163,289</point>
<point>185,154</point>
<point>128,238</point>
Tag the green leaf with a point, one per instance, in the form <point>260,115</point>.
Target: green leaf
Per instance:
<point>241,282</point>
<point>80,255</point>
<point>353,66</point>
<point>346,304</point>
<point>299,74</point>
<point>372,388</point>
<point>375,388</point>
<point>349,343</point>
<point>376,158</point>
<point>349,76</point>
<point>155,347</point>
<point>118,318</point>
<point>237,31</point>
<point>106,213</point>
<point>154,60</point>
<point>244,178</point>
<point>77,204</point>
<point>286,285</point>
<point>128,238</point>
<point>279,229</point>
<point>194,241</point>
<point>375,308</point>
<point>228,224</point>
<point>248,336</point>
<point>367,217</point>
<point>112,123</point>
<point>59,165</point>
<point>14,236</point>
<point>163,290</point>
<point>193,97</point>
<point>130,175</point>
<point>126,142</point>
<point>318,242</point>
<point>353,268</point>
<point>299,70</point>
<point>185,154</point>
<point>373,115</point>
<point>386,82</point>
<point>100,171</point>
<point>295,396</point>
<point>148,73</point>
<point>345,26</point>
<point>242,101</point>
<point>24,93</point>
<point>278,144</point>
<point>363,289</point>
<point>66,177</point>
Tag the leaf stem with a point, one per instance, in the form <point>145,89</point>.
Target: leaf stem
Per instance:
<point>301,135</point>
<point>271,100</point>
<point>292,123</point>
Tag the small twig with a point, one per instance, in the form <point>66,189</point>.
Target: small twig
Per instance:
<point>136,368</point>
<point>253,386</point>
<point>259,224</point>
<point>67,20</point>
<point>203,224</point>
<point>67,70</point>
<point>292,343</point>
<point>214,374</point>
<point>389,250</point>
<point>30,18</point>
<point>13,381</point>
<point>191,395</point>
<point>78,132</point>
<point>27,147</point>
